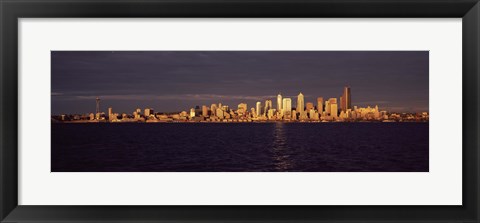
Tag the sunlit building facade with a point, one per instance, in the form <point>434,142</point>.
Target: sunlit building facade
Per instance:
<point>287,107</point>
<point>279,102</point>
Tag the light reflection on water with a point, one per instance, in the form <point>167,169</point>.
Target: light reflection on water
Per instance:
<point>241,147</point>
<point>281,158</point>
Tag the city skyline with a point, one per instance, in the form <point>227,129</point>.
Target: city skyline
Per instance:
<point>174,81</point>
<point>284,111</point>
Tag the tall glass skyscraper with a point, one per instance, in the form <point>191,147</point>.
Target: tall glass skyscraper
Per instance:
<point>346,102</point>
<point>320,105</point>
<point>287,107</point>
<point>301,105</point>
<point>259,108</point>
<point>279,102</point>
<point>268,106</point>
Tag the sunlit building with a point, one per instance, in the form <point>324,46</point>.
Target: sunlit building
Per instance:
<point>294,115</point>
<point>333,107</point>
<point>213,109</point>
<point>279,102</point>
<point>320,104</point>
<point>271,113</point>
<point>259,108</point>
<point>327,107</point>
<point>334,110</point>
<point>287,107</point>
<point>110,114</point>
<point>300,106</point>
<point>346,99</point>
<point>242,109</point>
<point>192,112</point>
<point>148,112</point>
<point>309,106</point>
<point>204,111</point>
<point>219,113</point>
<point>268,106</point>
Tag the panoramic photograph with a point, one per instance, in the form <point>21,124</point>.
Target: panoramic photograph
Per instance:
<point>239,111</point>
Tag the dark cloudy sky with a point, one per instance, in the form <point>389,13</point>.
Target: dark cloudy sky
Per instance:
<point>178,80</point>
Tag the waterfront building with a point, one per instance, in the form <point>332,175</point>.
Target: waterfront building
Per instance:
<point>225,108</point>
<point>97,109</point>
<point>136,115</point>
<point>183,114</point>
<point>342,104</point>
<point>213,109</point>
<point>198,110</point>
<point>219,113</point>
<point>204,111</point>
<point>148,112</point>
<point>333,107</point>
<point>320,104</point>
<point>259,108</point>
<point>300,106</point>
<point>294,115</point>
<point>268,106</point>
<point>279,102</point>
<point>309,106</point>
<point>327,108</point>
<point>346,102</point>
<point>376,113</point>
<point>242,109</point>
<point>334,110</point>
<point>110,113</point>
<point>311,113</point>
<point>271,113</point>
<point>332,100</point>
<point>192,112</point>
<point>287,108</point>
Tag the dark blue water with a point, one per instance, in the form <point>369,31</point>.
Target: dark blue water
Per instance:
<point>212,147</point>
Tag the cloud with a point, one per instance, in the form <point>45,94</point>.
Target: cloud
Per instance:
<point>194,97</point>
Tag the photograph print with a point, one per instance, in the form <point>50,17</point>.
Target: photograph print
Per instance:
<point>239,111</point>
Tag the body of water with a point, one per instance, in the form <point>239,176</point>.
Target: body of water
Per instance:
<point>240,147</point>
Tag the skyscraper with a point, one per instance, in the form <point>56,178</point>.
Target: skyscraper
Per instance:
<point>242,109</point>
<point>97,109</point>
<point>192,112</point>
<point>213,109</point>
<point>327,107</point>
<point>334,110</point>
<point>300,106</point>
<point>110,114</point>
<point>287,107</point>
<point>333,107</point>
<point>268,106</point>
<point>147,112</point>
<point>279,102</point>
<point>259,108</point>
<point>309,106</point>
<point>320,105</point>
<point>204,111</point>
<point>342,104</point>
<point>346,100</point>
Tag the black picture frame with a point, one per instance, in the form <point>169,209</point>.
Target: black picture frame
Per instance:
<point>12,10</point>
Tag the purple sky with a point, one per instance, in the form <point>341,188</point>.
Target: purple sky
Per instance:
<point>178,80</point>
